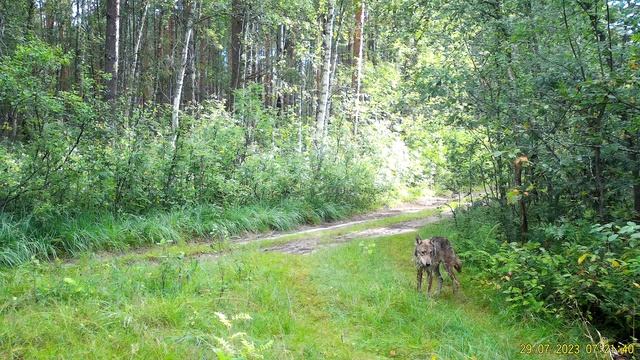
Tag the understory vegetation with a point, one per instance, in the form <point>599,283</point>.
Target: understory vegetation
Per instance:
<point>176,125</point>
<point>64,236</point>
<point>85,183</point>
<point>357,301</point>
<point>574,271</point>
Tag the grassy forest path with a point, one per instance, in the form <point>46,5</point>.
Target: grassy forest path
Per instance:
<point>422,204</point>
<point>294,295</point>
<point>402,218</point>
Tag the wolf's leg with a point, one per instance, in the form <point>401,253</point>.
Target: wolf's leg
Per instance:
<point>437,270</point>
<point>420,270</point>
<point>453,277</point>
<point>430,279</point>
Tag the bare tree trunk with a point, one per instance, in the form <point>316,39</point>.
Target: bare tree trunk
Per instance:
<point>195,54</point>
<point>180,80</point>
<point>321,112</point>
<point>635,170</point>
<point>596,128</point>
<point>301,107</point>
<point>524,221</point>
<point>111,47</point>
<point>358,50</point>
<point>235,51</point>
<point>334,63</point>
<point>136,54</point>
<point>159,53</point>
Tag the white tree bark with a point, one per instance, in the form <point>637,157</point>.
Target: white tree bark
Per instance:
<point>136,54</point>
<point>136,49</point>
<point>332,74</point>
<point>358,54</point>
<point>321,112</point>
<point>179,82</point>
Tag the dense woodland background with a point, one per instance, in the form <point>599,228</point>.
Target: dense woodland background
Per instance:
<point>125,122</point>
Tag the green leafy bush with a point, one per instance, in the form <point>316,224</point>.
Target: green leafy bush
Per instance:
<point>83,174</point>
<point>573,270</point>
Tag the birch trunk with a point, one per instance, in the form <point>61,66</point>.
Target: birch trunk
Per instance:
<point>136,54</point>
<point>358,54</point>
<point>179,82</point>
<point>334,63</point>
<point>321,111</point>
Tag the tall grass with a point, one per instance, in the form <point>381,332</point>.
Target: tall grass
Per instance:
<point>355,301</point>
<point>22,239</point>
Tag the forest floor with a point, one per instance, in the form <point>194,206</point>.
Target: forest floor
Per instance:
<point>336,291</point>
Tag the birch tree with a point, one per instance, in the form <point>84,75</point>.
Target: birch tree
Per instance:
<point>136,54</point>
<point>180,80</point>
<point>358,57</point>
<point>321,112</point>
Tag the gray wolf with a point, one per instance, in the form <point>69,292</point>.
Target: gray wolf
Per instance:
<point>429,254</point>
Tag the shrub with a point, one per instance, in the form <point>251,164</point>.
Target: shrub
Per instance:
<point>573,270</point>
<point>85,175</point>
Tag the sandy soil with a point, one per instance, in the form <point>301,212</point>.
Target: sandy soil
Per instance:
<point>313,241</point>
<point>422,204</point>
<point>311,244</point>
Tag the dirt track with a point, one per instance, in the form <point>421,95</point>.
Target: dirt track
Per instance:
<point>309,245</point>
<point>419,205</point>
<point>314,240</point>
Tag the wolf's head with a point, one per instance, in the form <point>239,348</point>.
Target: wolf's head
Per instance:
<point>425,251</point>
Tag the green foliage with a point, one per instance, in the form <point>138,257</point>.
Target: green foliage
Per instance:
<point>453,93</point>
<point>574,271</point>
<point>21,239</point>
<point>251,157</point>
<point>79,176</point>
<point>251,304</point>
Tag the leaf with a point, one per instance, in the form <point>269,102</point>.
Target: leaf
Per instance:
<point>582,258</point>
<point>614,263</point>
<point>513,196</point>
<point>69,281</point>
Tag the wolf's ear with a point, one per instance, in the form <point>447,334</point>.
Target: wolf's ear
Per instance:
<point>418,239</point>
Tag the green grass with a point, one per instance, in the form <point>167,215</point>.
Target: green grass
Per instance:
<point>68,236</point>
<point>364,225</point>
<point>356,301</point>
<point>156,251</point>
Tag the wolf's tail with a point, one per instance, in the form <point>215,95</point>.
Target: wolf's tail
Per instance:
<point>458,265</point>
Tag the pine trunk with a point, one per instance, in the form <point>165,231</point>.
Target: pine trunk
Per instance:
<point>235,58</point>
